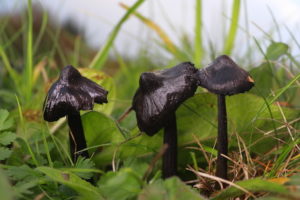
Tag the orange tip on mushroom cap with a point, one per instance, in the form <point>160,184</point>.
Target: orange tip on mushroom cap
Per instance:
<point>250,79</point>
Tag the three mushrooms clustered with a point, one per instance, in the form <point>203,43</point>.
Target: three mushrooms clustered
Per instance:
<point>155,102</point>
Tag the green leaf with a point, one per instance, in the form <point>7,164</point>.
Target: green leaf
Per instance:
<point>23,187</point>
<point>198,115</point>
<point>25,178</point>
<point>107,83</point>
<point>276,49</point>
<point>5,189</point>
<point>252,185</point>
<point>6,122</point>
<point>99,129</point>
<point>136,147</point>
<point>4,153</point>
<point>137,165</point>
<point>171,189</point>
<point>21,172</point>
<point>83,163</point>
<point>85,190</point>
<point>121,185</point>
<point>7,138</point>
<point>264,80</point>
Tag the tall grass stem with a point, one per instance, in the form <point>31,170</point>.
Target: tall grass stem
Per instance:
<point>102,55</point>
<point>29,55</point>
<point>198,34</point>
<point>229,43</point>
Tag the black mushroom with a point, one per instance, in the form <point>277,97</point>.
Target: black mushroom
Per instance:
<point>66,97</point>
<point>155,102</point>
<point>224,77</point>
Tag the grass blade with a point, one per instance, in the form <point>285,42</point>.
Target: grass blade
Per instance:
<point>84,189</point>
<point>280,161</point>
<point>76,51</point>
<point>277,95</point>
<point>292,36</point>
<point>160,32</point>
<point>12,73</point>
<point>198,36</point>
<point>42,31</point>
<point>8,43</point>
<point>22,122</point>
<point>102,55</point>
<point>29,56</point>
<point>47,149</point>
<point>275,22</point>
<point>56,48</point>
<point>233,27</point>
<point>252,185</point>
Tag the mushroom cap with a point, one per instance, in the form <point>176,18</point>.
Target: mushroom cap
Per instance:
<point>225,77</point>
<point>160,93</point>
<point>70,94</point>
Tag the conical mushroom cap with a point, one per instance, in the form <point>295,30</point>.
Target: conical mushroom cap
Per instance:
<point>72,93</point>
<point>160,93</point>
<point>225,77</point>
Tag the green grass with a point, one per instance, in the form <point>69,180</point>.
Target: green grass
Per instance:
<point>29,54</point>
<point>102,55</point>
<point>229,41</point>
<point>125,164</point>
<point>198,34</point>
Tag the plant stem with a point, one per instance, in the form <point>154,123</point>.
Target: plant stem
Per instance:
<point>229,43</point>
<point>169,166</point>
<point>222,141</point>
<point>102,55</point>
<point>77,139</point>
<point>198,34</point>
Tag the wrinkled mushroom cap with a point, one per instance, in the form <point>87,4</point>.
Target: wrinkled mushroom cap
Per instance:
<point>72,93</point>
<point>225,77</point>
<point>160,93</point>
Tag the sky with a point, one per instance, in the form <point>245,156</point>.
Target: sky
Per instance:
<point>176,17</point>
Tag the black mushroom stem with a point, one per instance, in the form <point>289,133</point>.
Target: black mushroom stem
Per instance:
<point>76,137</point>
<point>222,139</point>
<point>169,165</point>
<point>156,101</point>
<point>66,97</point>
<point>224,77</point>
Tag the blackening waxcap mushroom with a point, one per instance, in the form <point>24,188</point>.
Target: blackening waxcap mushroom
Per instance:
<point>225,77</point>
<point>72,93</point>
<point>161,93</point>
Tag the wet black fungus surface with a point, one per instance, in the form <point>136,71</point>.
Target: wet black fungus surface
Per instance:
<point>72,93</point>
<point>161,93</point>
<point>225,77</point>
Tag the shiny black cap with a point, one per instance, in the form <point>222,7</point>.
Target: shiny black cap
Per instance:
<point>225,77</point>
<point>71,93</point>
<point>160,93</point>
